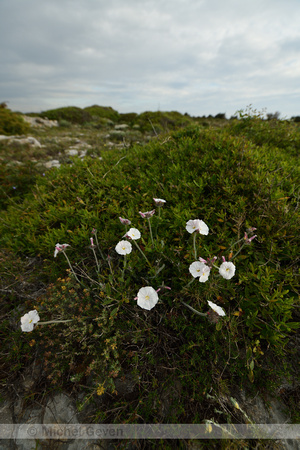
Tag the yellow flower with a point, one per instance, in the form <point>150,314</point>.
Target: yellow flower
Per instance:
<point>100,389</point>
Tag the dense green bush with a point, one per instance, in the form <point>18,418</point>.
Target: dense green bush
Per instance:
<point>160,122</point>
<point>225,180</point>
<point>106,112</point>
<point>12,123</point>
<point>71,114</point>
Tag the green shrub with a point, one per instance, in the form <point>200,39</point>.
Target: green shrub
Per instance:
<point>103,112</point>
<point>71,114</point>
<point>225,180</point>
<point>12,123</point>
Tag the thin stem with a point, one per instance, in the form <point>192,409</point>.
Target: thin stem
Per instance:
<point>97,243</point>
<point>189,283</point>
<point>124,266</point>
<point>194,245</point>
<point>238,251</point>
<point>54,321</point>
<point>142,253</point>
<point>150,231</point>
<point>96,259</point>
<point>194,310</point>
<point>71,267</point>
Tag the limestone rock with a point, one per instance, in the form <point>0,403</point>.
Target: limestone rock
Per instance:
<point>39,122</point>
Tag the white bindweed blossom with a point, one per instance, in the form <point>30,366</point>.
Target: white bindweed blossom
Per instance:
<point>204,274</point>
<point>123,248</point>
<point>60,248</point>
<point>201,270</point>
<point>159,201</point>
<point>216,308</point>
<point>197,225</point>
<point>147,297</point>
<point>133,233</point>
<point>29,320</point>
<point>227,270</point>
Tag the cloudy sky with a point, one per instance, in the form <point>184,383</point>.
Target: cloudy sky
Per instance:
<point>196,56</point>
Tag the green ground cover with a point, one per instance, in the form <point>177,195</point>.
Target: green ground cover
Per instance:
<point>242,174</point>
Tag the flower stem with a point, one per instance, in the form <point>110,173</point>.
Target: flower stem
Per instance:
<point>124,266</point>
<point>142,253</point>
<point>70,265</point>
<point>54,321</point>
<point>96,259</point>
<point>194,245</point>
<point>238,251</point>
<point>150,231</point>
<point>97,243</point>
<point>194,310</point>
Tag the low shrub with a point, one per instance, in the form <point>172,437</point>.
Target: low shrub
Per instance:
<point>12,123</point>
<point>71,114</point>
<point>99,331</point>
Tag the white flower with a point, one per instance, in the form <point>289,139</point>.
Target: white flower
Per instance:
<point>123,248</point>
<point>60,248</point>
<point>29,319</point>
<point>197,225</point>
<point>133,233</point>
<point>216,308</point>
<point>198,269</point>
<point>159,201</point>
<point>227,270</point>
<point>204,274</point>
<point>147,297</point>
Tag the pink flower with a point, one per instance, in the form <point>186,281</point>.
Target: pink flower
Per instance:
<point>147,214</point>
<point>60,248</point>
<point>247,239</point>
<point>125,221</point>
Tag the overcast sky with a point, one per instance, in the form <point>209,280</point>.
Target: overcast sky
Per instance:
<point>196,56</point>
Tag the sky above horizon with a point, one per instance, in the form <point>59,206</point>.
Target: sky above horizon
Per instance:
<point>198,57</point>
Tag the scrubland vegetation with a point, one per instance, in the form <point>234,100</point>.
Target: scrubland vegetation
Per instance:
<point>235,175</point>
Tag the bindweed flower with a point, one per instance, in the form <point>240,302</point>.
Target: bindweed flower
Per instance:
<point>133,233</point>
<point>197,225</point>
<point>247,239</point>
<point>201,270</point>
<point>60,248</point>
<point>159,201</point>
<point>147,214</point>
<point>227,269</point>
<point>123,248</point>
<point>92,243</point>
<point>29,320</point>
<point>147,297</point>
<point>216,308</point>
<point>125,221</point>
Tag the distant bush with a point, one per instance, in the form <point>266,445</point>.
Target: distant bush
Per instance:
<point>12,123</point>
<point>106,112</point>
<point>70,114</point>
<point>128,118</point>
<point>159,122</point>
<point>220,116</point>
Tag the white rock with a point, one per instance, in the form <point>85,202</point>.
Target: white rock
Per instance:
<point>122,126</point>
<point>71,152</point>
<point>52,163</point>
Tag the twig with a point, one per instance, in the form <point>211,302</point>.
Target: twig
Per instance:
<point>114,166</point>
